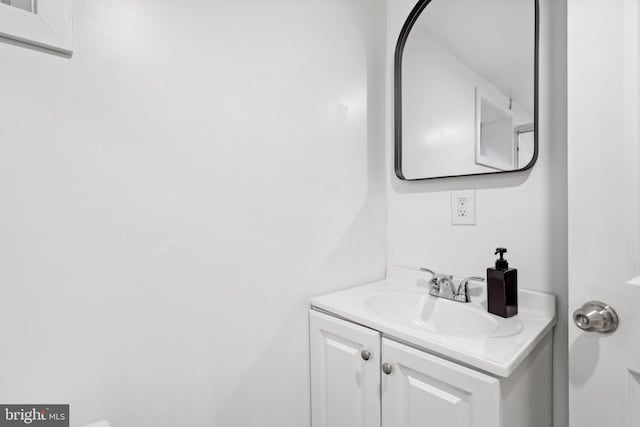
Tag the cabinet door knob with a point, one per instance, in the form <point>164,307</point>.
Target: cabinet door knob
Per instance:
<point>366,355</point>
<point>387,368</point>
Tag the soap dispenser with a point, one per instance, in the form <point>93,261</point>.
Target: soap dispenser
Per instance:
<point>502,287</point>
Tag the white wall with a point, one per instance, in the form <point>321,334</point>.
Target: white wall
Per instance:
<point>526,212</point>
<point>172,197</point>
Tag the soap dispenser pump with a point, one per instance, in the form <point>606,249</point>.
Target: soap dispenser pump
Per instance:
<point>502,287</point>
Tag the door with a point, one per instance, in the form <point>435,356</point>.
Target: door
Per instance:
<point>345,373</point>
<point>603,160</point>
<point>419,389</point>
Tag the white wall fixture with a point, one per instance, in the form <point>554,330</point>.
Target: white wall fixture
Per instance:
<point>463,207</point>
<point>43,23</point>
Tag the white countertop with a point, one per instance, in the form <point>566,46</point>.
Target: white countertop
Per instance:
<point>497,355</point>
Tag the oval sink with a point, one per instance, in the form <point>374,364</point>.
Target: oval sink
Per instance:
<point>441,316</point>
<point>454,318</point>
<point>396,306</point>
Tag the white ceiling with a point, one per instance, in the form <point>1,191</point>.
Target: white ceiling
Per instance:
<point>493,37</point>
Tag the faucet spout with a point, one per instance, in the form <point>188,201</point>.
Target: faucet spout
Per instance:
<point>442,280</point>
<point>452,286</point>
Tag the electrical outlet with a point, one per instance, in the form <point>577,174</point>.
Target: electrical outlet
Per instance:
<point>463,207</point>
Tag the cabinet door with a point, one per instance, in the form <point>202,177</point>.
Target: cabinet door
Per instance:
<point>425,390</point>
<point>345,388</point>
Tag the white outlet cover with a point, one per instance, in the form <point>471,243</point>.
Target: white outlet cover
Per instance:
<point>463,207</point>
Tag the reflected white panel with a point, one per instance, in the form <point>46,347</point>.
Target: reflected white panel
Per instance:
<point>28,5</point>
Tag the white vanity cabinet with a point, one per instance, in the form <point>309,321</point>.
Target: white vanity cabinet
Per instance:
<point>400,386</point>
<point>345,388</point>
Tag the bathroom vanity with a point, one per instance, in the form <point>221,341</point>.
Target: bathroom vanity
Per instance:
<point>388,354</point>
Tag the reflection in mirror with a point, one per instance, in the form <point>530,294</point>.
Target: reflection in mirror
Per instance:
<point>28,5</point>
<point>495,141</point>
<point>525,145</point>
<point>465,88</point>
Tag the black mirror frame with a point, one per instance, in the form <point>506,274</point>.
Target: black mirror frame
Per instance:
<point>402,40</point>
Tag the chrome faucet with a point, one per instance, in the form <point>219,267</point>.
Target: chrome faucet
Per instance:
<point>443,286</point>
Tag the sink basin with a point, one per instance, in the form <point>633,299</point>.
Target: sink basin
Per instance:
<point>441,316</point>
<point>396,306</point>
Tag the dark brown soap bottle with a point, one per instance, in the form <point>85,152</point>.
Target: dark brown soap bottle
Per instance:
<point>502,287</point>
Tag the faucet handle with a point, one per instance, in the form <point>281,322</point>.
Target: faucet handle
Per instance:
<point>465,282</point>
<point>427,283</point>
<point>427,270</point>
<point>433,284</point>
<point>463,288</point>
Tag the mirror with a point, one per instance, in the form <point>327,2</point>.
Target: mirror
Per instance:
<point>466,88</point>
